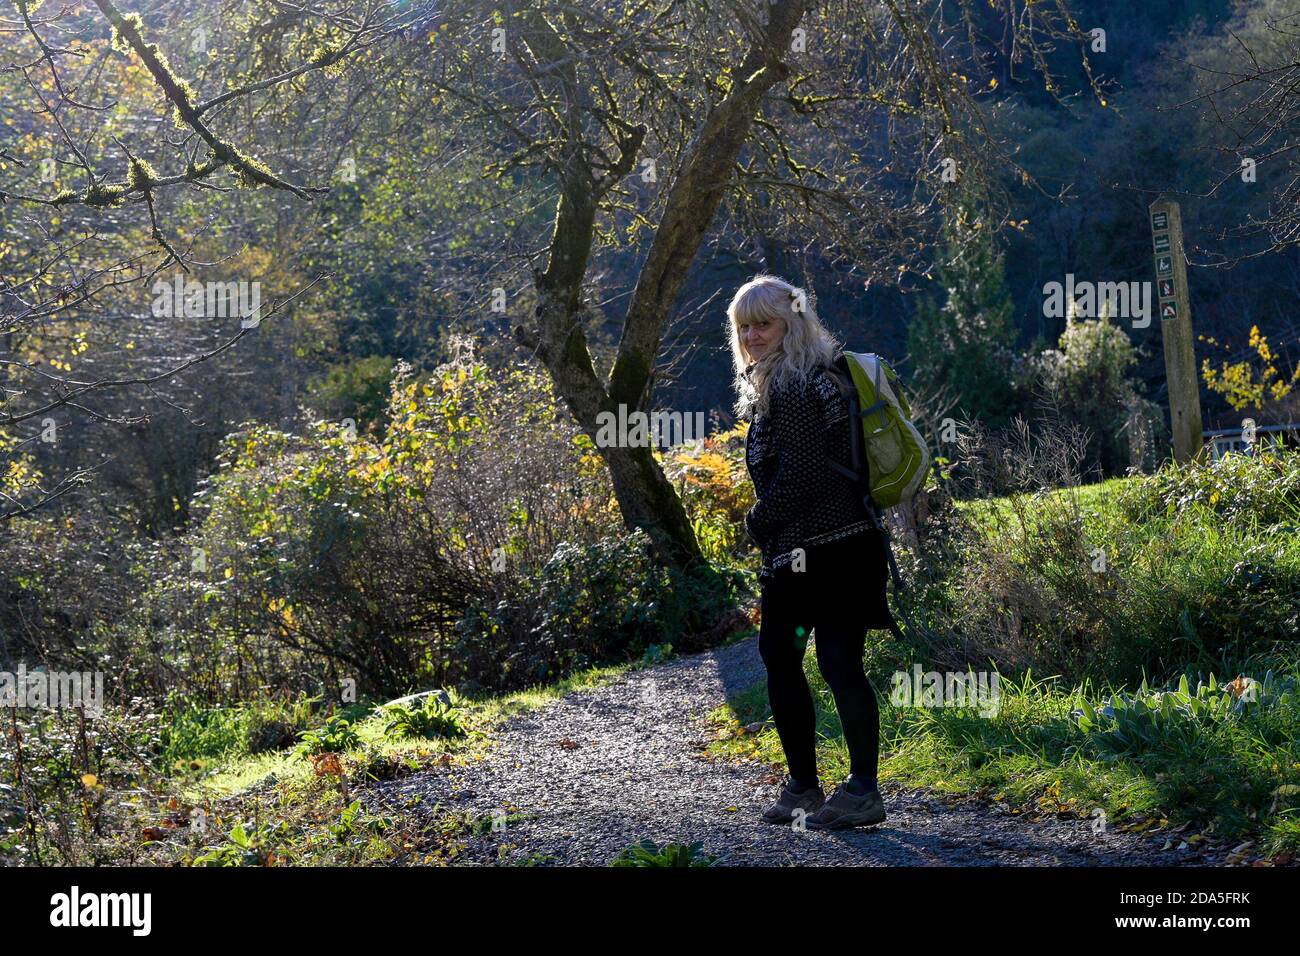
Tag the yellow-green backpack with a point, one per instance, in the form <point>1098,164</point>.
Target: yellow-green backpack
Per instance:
<point>890,456</point>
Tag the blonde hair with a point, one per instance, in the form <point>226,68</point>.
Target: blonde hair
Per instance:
<point>806,344</point>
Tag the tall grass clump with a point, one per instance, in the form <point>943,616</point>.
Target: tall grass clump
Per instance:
<point>1195,565</point>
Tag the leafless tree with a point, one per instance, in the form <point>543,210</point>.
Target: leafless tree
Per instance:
<point>1247,98</point>
<point>88,250</point>
<point>834,123</point>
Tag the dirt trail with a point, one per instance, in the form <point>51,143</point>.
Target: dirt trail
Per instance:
<point>604,767</point>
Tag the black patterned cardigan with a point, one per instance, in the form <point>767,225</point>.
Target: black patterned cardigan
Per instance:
<point>801,500</point>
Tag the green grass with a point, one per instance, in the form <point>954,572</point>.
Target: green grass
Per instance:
<point>1235,780</point>
<point>1149,574</point>
<point>1096,499</point>
<point>1202,576</point>
<point>241,771</point>
<point>274,808</point>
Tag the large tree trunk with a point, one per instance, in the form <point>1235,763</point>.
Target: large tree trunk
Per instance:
<point>645,496</point>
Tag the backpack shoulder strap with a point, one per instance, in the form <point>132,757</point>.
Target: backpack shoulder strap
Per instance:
<point>839,373</point>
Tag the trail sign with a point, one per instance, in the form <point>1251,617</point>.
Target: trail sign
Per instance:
<point>1176,330</point>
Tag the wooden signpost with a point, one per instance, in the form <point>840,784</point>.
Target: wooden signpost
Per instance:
<point>1176,329</point>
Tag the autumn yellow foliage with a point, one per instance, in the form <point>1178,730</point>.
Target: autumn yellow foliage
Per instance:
<point>1252,382</point>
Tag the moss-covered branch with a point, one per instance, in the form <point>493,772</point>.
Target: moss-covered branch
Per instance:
<point>128,33</point>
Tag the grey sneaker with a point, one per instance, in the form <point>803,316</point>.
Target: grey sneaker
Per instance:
<point>783,810</point>
<point>845,809</point>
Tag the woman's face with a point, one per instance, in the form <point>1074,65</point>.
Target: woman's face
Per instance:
<point>759,336</point>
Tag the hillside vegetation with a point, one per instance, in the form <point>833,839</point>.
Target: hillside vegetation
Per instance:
<point>1118,616</point>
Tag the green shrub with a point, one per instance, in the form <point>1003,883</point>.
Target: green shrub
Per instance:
<point>605,601</point>
<point>331,555</point>
<point>256,847</point>
<point>431,717</point>
<point>354,388</point>
<point>648,853</point>
<point>713,482</point>
<point>1252,490</point>
<point>356,828</point>
<point>82,788</point>
<point>1195,565</point>
<point>336,736</point>
<point>1087,381</point>
<point>1174,718</point>
<point>656,654</point>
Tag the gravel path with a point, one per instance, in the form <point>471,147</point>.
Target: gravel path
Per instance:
<point>607,766</point>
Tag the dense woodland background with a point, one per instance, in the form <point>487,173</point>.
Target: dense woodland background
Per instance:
<point>462,253</point>
<point>416,244</point>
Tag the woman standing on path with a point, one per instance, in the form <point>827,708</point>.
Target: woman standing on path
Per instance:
<point>823,559</point>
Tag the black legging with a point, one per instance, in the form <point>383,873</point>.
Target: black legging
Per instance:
<point>826,596</point>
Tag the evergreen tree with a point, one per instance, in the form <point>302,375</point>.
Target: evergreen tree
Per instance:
<point>1086,380</point>
<point>965,344</point>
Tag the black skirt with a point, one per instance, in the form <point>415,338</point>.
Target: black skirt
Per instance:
<point>849,575</point>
